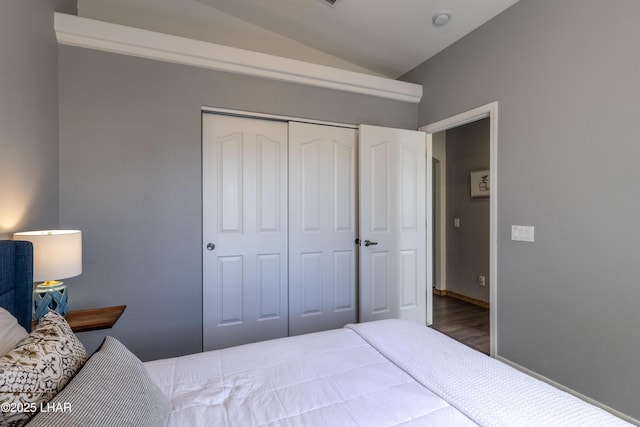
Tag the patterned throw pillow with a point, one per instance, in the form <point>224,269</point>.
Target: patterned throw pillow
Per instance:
<point>38,368</point>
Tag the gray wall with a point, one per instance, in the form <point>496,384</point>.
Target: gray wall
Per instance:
<point>467,246</point>
<point>28,115</point>
<point>565,74</point>
<point>130,179</point>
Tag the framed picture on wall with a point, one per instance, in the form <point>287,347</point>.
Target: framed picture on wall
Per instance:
<point>480,183</point>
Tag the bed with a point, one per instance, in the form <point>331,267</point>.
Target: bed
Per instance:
<point>383,373</point>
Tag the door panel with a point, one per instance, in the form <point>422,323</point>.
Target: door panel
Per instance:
<point>231,289</point>
<point>408,272</point>
<point>378,181</point>
<point>245,215</point>
<point>392,218</point>
<point>231,170</point>
<point>322,227</point>
<point>380,283</point>
<point>269,282</point>
<point>269,170</point>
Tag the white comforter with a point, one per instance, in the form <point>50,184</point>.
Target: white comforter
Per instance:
<point>374,374</point>
<point>485,389</point>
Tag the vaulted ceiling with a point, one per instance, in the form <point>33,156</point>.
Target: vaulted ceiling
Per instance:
<point>381,37</point>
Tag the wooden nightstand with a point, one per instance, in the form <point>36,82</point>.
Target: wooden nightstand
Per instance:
<point>94,318</point>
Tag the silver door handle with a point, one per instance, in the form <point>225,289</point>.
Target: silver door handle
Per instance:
<point>370,243</point>
<point>210,246</point>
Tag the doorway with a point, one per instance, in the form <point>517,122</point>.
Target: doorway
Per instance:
<point>489,111</point>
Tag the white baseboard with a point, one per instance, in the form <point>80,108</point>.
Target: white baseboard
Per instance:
<point>570,391</point>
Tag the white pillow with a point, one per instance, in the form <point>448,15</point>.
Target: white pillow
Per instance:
<point>10,332</point>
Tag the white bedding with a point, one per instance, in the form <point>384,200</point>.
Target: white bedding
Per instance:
<point>485,389</point>
<point>331,378</point>
<point>373,374</point>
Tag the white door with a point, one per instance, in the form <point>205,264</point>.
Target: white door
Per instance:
<point>244,230</point>
<point>393,255</point>
<point>322,227</point>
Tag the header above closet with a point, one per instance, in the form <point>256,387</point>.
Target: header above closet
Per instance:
<point>89,33</point>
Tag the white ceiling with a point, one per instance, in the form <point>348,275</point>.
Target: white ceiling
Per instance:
<point>383,37</point>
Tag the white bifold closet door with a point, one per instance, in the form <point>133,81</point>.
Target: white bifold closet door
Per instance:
<point>245,287</point>
<point>322,227</point>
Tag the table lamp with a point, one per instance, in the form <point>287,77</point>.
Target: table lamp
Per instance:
<point>57,254</point>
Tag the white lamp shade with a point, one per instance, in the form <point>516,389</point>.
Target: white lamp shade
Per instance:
<point>57,254</point>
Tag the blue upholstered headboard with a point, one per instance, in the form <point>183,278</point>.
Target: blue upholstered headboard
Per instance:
<point>16,279</point>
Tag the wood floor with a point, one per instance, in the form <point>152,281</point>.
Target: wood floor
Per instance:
<point>462,321</point>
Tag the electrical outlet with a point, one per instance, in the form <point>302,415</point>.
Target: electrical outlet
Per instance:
<point>482,280</point>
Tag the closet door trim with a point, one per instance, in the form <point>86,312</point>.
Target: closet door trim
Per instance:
<point>263,116</point>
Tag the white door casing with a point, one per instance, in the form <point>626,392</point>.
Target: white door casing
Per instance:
<point>245,217</point>
<point>429,226</point>
<point>484,111</point>
<point>393,255</point>
<point>322,227</point>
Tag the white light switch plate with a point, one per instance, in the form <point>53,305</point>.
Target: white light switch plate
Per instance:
<point>522,233</point>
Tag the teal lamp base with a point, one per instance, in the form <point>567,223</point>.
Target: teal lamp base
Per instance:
<point>50,296</point>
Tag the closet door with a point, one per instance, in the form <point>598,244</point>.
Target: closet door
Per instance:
<point>393,255</point>
<point>244,230</point>
<point>322,227</point>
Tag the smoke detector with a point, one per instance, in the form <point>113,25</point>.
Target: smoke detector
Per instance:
<point>441,18</point>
